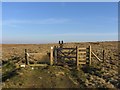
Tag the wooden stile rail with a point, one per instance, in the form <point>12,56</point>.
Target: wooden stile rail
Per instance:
<point>27,58</point>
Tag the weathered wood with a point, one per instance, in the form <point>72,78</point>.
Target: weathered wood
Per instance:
<point>81,48</point>
<point>65,48</point>
<point>63,54</point>
<point>82,58</point>
<point>51,56</point>
<point>82,55</point>
<point>90,55</point>
<point>81,63</point>
<point>77,58</point>
<point>82,52</point>
<point>103,55</point>
<point>59,51</point>
<point>72,51</point>
<point>26,57</point>
<point>97,57</point>
<point>55,54</point>
<point>37,65</point>
<point>68,53</point>
<point>67,56</point>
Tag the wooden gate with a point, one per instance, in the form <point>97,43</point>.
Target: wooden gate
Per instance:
<point>77,55</point>
<point>65,55</point>
<point>83,56</point>
<point>71,56</point>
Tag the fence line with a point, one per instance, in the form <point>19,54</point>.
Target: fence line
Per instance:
<point>59,54</point>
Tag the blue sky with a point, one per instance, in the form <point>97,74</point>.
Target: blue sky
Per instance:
<point>50,22</point>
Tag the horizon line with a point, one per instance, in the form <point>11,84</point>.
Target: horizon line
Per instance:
<point>66,42</point>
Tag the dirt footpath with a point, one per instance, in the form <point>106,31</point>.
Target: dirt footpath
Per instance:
<point>41,77</point>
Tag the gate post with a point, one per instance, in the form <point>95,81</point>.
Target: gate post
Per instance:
<point>90,54</point>
<point>26,57</point>
<point>55,54</point>
<point>51,56</point>
<point>77,60</point>
<point>103,55</point>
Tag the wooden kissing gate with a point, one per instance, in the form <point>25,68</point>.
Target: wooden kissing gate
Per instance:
<point>79,55</point>
<point>71,56</point>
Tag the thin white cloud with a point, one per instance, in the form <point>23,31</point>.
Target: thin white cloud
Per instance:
<point>14,23</point>
<point>83,34</point>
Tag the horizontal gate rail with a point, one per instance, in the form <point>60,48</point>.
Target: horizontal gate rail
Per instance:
<point>67,56</point>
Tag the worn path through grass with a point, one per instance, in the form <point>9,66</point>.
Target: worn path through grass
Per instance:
<point>41,77</point>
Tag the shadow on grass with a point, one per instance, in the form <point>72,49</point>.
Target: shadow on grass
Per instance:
<point>79,76</point>
<point>92,70</point>
<point>9,75</point>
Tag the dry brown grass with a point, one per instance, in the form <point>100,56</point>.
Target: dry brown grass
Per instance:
<point>98,75</point>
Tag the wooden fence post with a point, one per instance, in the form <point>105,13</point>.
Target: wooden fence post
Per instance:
<point>51,56</point>
<point>77,60</point>
<point>103,55</point>
<point>55,54</point>
<point>26,57</point>
<point>90,54</point>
